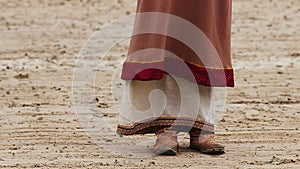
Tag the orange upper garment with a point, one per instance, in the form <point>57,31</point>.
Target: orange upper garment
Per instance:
<point>173,35</point>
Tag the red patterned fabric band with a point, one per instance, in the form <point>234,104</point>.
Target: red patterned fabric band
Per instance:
<point>212,77</point>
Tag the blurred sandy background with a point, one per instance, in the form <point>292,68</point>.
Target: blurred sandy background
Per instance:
<point>40,39</point>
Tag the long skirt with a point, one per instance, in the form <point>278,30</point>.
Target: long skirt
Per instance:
<point>179,51</point>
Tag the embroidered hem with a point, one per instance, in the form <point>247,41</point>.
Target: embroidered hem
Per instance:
<point>152,125</point>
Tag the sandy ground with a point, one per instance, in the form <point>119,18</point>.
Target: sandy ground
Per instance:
<point>38,125</point>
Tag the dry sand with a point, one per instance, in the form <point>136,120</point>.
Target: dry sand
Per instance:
<point>39,128</point>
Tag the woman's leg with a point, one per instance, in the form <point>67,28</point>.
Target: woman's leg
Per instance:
<point>144,100</point>
<point>203,141</point>
<point>188,105</point>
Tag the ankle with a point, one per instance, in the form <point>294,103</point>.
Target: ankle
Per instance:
<point>200,133</point>
<point>169,131</point>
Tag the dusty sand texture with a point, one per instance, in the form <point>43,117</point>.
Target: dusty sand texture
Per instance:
<point>38,127</point>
